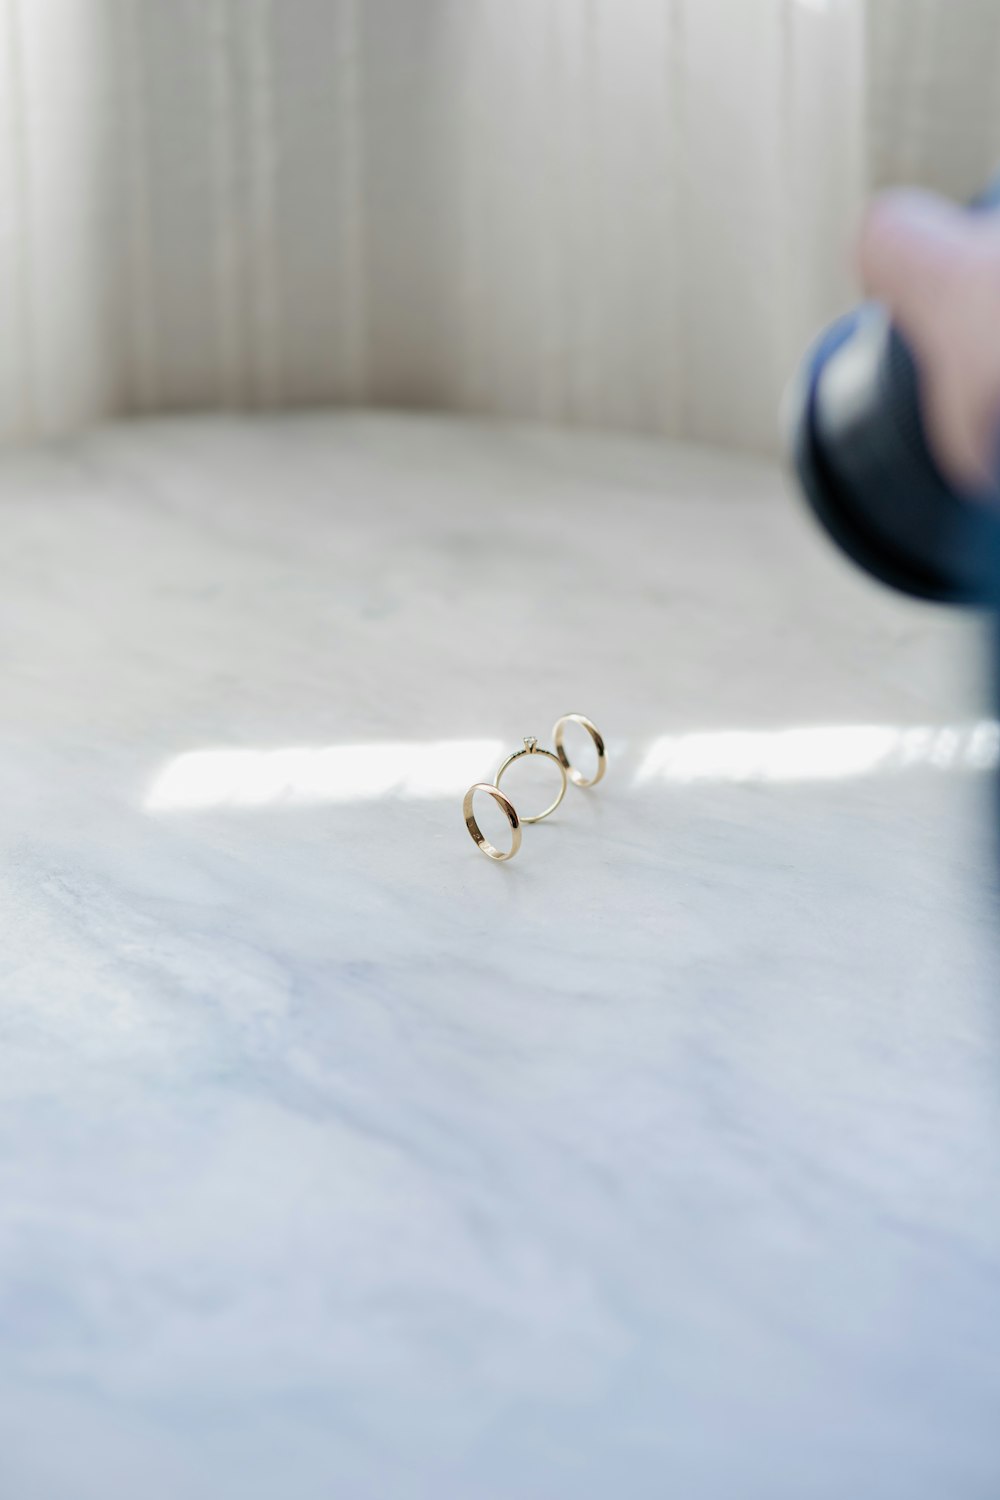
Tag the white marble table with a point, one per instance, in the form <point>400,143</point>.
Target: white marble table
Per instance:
<point>338,1161</point>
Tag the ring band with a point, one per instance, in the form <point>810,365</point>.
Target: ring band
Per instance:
<point>531,747</point>
<point>575,776</point>
<point>510,813</point>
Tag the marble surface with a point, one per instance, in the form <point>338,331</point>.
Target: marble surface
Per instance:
<point>335,1160</point>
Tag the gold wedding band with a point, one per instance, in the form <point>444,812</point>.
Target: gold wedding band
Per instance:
<point>575,776</point>
<point>531,747</point>
<point>509,811</point>
<point>566,769</point>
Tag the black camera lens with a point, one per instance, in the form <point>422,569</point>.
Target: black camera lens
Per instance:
<point>862,457</point>
<point>861,453</point>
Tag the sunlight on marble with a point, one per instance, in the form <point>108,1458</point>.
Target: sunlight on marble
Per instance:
<point>333,773</point>
<point>340,1163</point>
<point>202,779</point>
<point>819,752</point>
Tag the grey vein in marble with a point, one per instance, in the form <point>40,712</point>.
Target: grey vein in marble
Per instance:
<point>335,1160</point>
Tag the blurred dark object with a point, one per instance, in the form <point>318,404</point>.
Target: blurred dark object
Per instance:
<point>862,457</point>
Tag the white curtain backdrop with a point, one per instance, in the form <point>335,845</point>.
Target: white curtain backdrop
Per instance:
<point>625,213</point>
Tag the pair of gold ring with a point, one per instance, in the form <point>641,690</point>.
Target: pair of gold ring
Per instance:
<point>566,769</point>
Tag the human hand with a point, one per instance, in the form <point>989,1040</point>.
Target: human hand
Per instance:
<point>936,268</point>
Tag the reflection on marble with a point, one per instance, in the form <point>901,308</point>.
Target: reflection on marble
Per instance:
<point>329,773</point>
<point>350,773</point>
<point>820,752</point>
<point>335,1160</point>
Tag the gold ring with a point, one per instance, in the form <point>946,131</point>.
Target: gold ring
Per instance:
<point>531,748</point>
<point>510,813</point>
<point>575,776</point>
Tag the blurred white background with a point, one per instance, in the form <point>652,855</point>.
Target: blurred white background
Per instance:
<point>624,213</point>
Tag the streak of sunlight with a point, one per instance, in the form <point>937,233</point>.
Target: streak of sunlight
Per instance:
<point>332,773</point>
<point>818,752</point>
<point>248,778</point>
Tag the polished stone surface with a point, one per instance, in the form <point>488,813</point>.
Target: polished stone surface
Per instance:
<point>336,1160</point>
